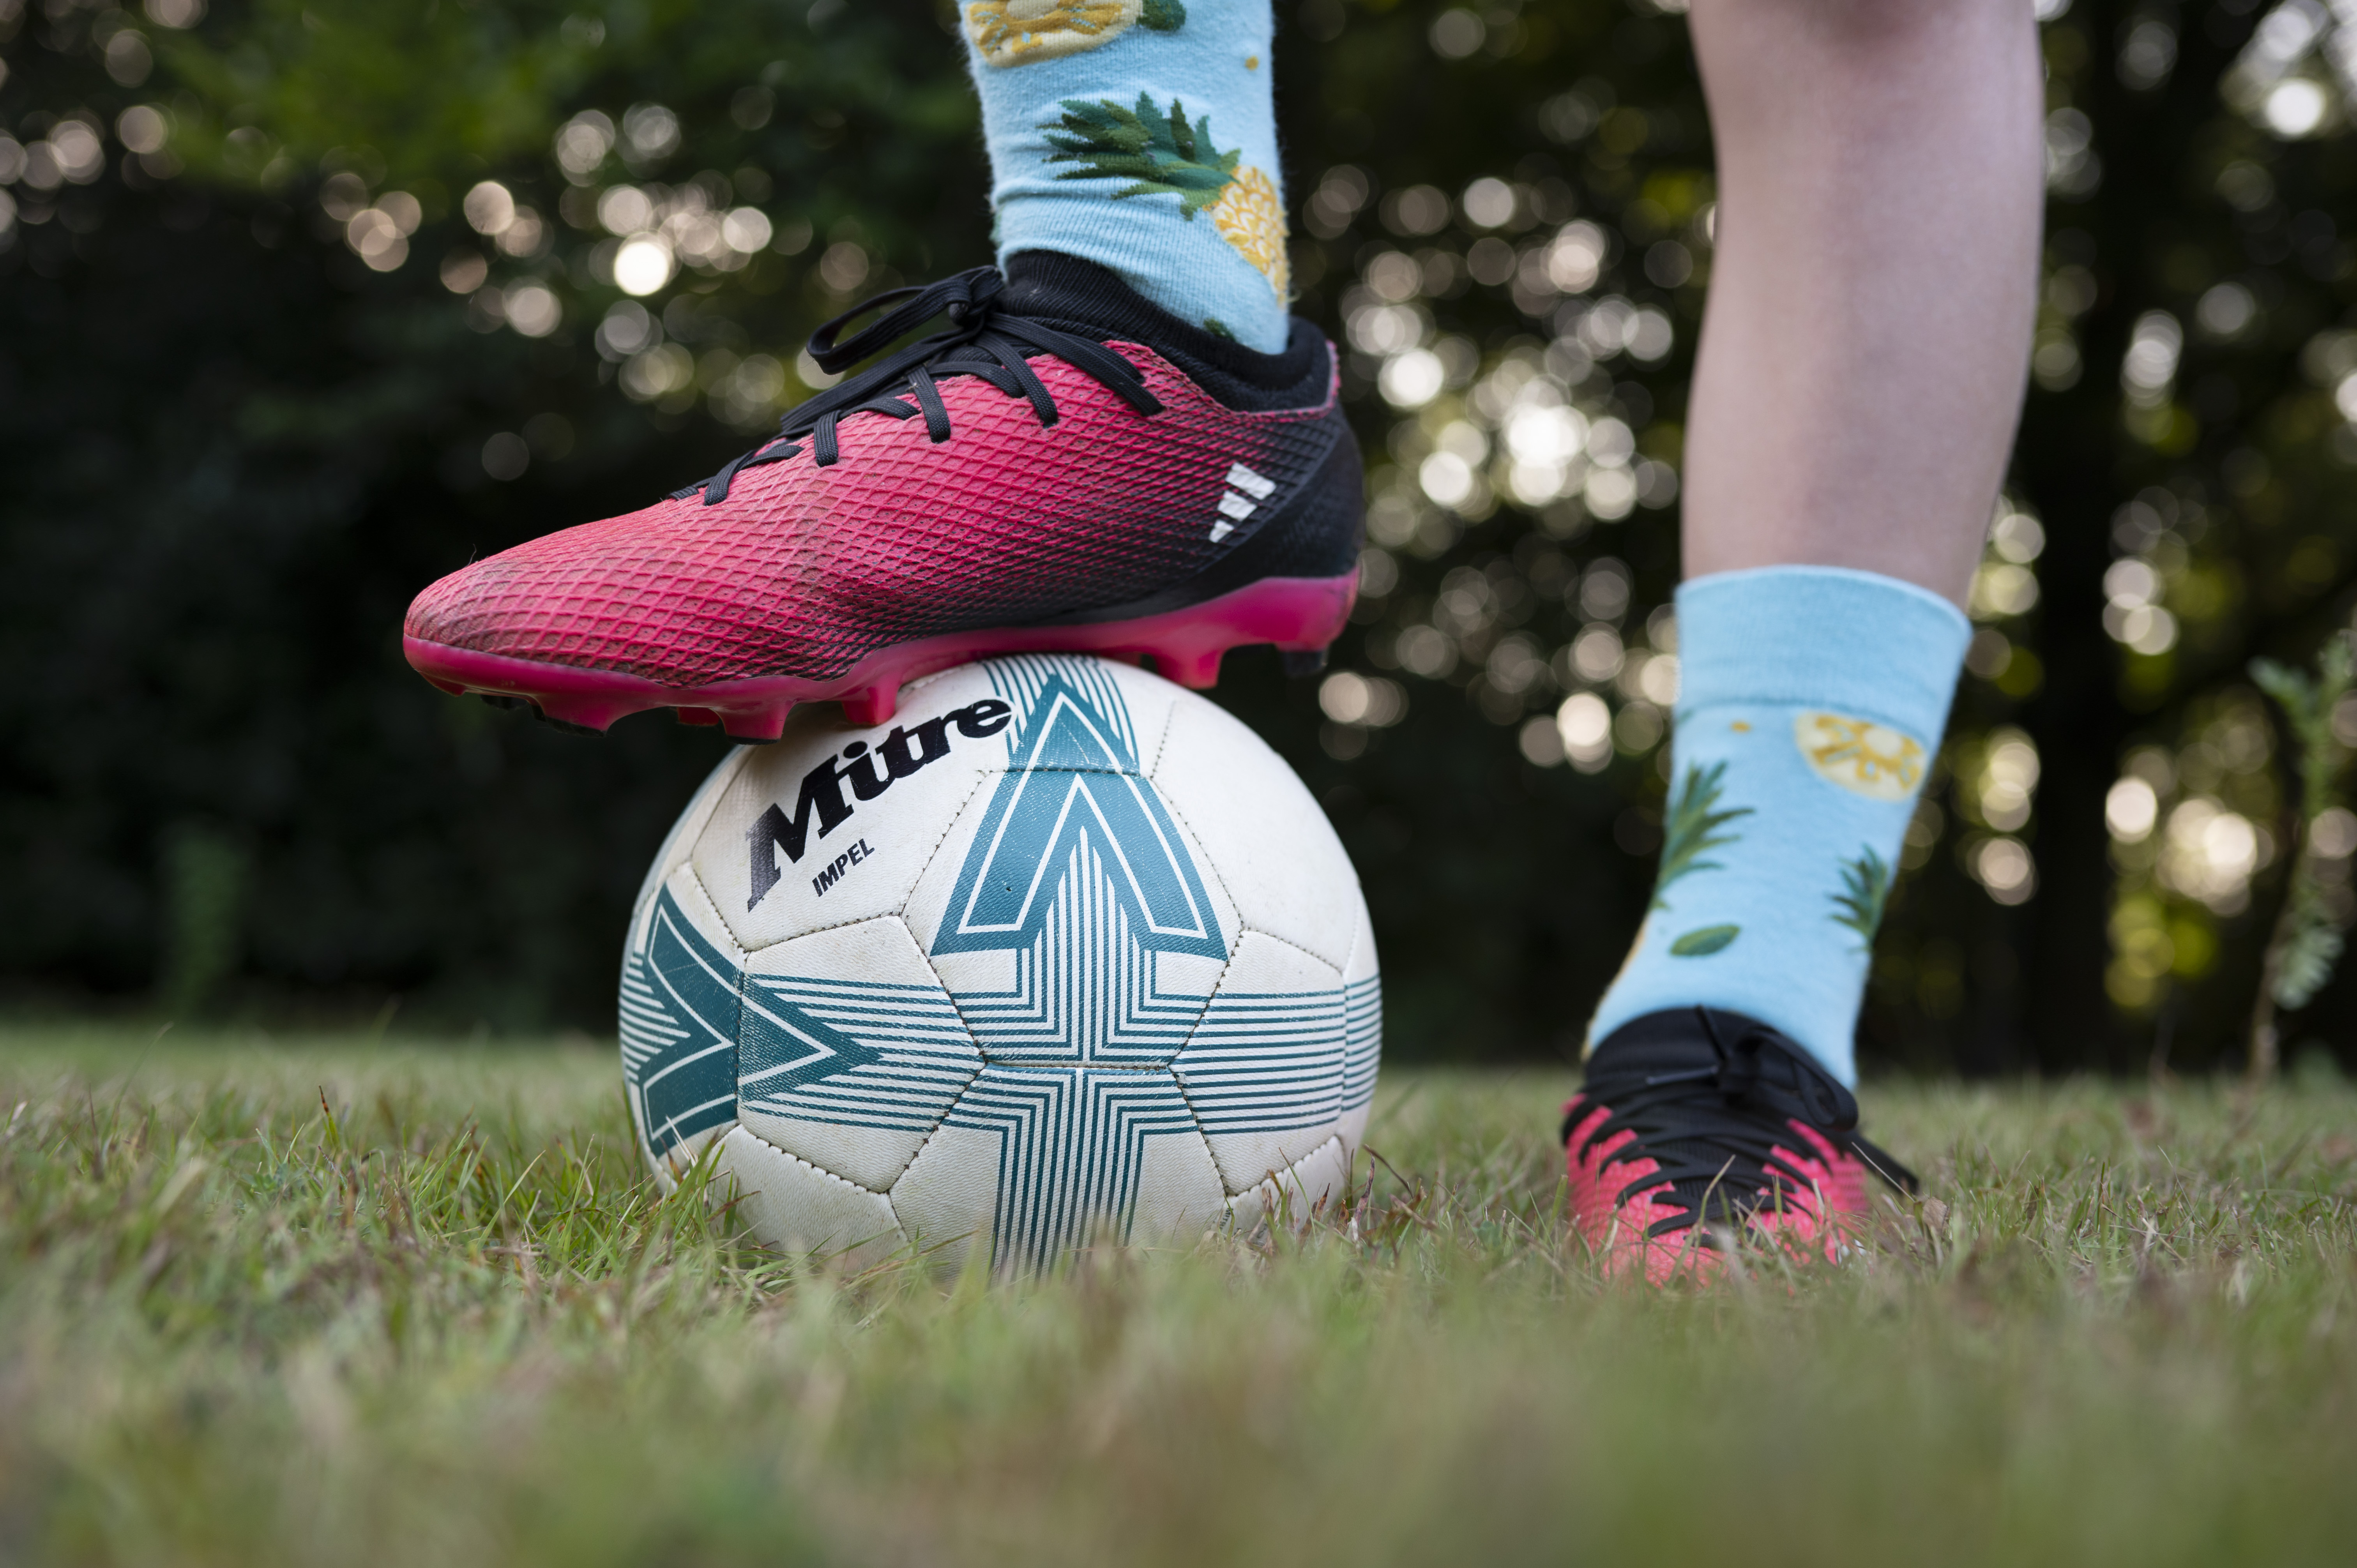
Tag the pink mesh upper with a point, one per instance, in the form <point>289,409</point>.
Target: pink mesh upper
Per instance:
<point>803,570</point>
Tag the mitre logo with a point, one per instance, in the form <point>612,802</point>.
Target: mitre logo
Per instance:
<point>906,750</point>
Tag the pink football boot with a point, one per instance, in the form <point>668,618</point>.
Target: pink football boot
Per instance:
<point>1065,467</point>
<point>1701,1118</point>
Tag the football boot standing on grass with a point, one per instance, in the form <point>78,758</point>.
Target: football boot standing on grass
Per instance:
<point>1862,363</point>
<point>1120,443</point>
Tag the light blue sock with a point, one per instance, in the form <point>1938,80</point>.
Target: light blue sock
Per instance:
<point>1811,703</point>
<point>1140,135</point>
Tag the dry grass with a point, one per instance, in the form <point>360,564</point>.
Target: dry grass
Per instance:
<point>323,1301</point>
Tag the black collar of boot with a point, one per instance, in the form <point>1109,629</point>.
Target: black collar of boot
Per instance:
<point>1092,300</point>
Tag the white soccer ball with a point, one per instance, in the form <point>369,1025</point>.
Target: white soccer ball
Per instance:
<point>1062,955</point>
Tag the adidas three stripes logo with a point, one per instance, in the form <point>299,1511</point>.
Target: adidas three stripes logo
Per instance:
<point>1245,491</point>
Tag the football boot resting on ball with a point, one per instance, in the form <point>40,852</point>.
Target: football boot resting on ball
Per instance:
<point>1067,466</point>
<point>1699,1124</point>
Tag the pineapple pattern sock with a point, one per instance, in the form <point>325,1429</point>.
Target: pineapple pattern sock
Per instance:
<point>1811,703</point>
<point>1140,135</point>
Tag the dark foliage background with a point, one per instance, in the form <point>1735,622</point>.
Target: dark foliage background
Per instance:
<point>265,369</point>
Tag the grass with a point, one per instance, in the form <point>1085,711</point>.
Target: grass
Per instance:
<point>323,1301</point>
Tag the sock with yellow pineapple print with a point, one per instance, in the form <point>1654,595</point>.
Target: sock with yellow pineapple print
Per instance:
<point>1140,135</point>
<point>1811,701</point>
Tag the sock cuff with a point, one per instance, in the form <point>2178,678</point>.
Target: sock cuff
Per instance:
<point>1821,636</point>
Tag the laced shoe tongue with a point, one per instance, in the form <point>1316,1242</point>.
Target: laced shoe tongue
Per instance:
<point>984,339</point>
<point>1739,1058</point>
<point>966,298</point>
<point>1711,1096</point>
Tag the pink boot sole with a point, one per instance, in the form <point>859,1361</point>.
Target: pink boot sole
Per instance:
<point>1299,615</point>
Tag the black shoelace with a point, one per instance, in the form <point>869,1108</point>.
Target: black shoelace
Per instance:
<point>984,340</point>
<point>1714,1128</point>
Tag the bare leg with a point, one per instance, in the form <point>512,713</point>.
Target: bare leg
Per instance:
<point>1867,334</point>
<point>1862,366</point>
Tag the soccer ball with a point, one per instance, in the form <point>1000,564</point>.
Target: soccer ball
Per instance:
<point>1063,954</point>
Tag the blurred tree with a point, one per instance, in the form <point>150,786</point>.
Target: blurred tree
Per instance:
<point>262,378</point>
<point>302,305</point>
